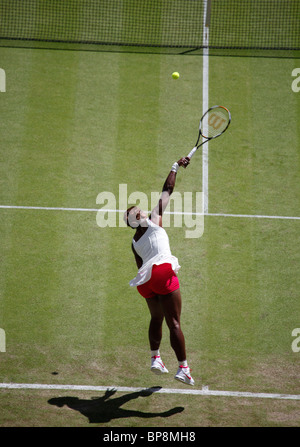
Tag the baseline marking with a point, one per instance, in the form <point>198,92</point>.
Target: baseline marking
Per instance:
<point>54,208</point>
<point>203,392</point>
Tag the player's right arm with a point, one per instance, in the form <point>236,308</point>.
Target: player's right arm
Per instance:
<point>168,187</point>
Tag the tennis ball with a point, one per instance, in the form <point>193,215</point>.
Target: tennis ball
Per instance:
<point>175,75</point>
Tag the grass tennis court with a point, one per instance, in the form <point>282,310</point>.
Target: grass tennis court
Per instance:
<point>76,123</point>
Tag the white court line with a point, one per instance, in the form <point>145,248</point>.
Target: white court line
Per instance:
<point>205,85</point>
<point>253,216</point>
<point>203,392</point>
<point>52,208</point>
<point>55,208</point>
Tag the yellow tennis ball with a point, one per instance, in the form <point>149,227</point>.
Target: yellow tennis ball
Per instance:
<point>175,75</point>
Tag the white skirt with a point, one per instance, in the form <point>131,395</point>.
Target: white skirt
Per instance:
<point>144,273</point>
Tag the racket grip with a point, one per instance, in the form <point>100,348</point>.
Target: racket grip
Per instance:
<point>192,152</point>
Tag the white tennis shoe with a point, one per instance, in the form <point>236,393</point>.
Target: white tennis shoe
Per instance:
<point>157,366</point>
<point>184,375</point>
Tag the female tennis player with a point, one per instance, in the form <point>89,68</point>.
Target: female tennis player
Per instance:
<point>157,279</point>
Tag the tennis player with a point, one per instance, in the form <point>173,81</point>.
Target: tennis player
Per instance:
<point>157,279</point>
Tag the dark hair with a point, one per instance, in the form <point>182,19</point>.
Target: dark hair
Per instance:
<point>126,215</point>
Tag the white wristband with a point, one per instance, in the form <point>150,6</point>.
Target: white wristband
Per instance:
<point>175,167</point>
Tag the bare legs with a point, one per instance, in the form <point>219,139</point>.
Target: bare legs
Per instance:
<point>168,307</point>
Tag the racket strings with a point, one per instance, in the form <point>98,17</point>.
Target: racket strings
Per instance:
<point>215,122</point>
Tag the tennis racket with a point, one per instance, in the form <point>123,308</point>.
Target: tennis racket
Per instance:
<point>213,123</point>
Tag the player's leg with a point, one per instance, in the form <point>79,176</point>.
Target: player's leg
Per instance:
<point>156,321</point>
<point>171,306</point>
<point>155,334</point>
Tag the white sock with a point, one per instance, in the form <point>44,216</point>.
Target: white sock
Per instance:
<point>155,353</point>
<point>183,363</point>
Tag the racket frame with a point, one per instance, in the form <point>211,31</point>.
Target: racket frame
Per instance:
<point>196,147</point>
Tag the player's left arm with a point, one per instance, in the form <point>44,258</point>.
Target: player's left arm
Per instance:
<point>168,187</point>
<point>138,259</point>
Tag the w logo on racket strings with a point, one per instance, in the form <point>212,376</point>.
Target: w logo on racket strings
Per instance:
<point>216,121</point>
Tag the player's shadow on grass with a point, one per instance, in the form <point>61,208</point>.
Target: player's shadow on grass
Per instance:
<point>103,409</point>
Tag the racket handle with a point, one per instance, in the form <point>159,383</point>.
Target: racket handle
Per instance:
<point>192,152</point>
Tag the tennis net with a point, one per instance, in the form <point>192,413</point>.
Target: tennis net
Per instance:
<point>253,24</point>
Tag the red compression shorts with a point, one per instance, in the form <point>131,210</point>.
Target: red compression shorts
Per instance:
<point>163,281</point>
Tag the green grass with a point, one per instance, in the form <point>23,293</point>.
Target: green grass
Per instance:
<point>75,124</point>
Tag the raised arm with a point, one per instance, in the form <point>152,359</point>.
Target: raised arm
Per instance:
<point>157,212</point>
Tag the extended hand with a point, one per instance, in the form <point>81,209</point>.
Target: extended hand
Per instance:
<point>185,161</point>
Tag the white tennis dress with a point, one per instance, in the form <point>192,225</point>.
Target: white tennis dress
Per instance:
<point>154,249</point>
